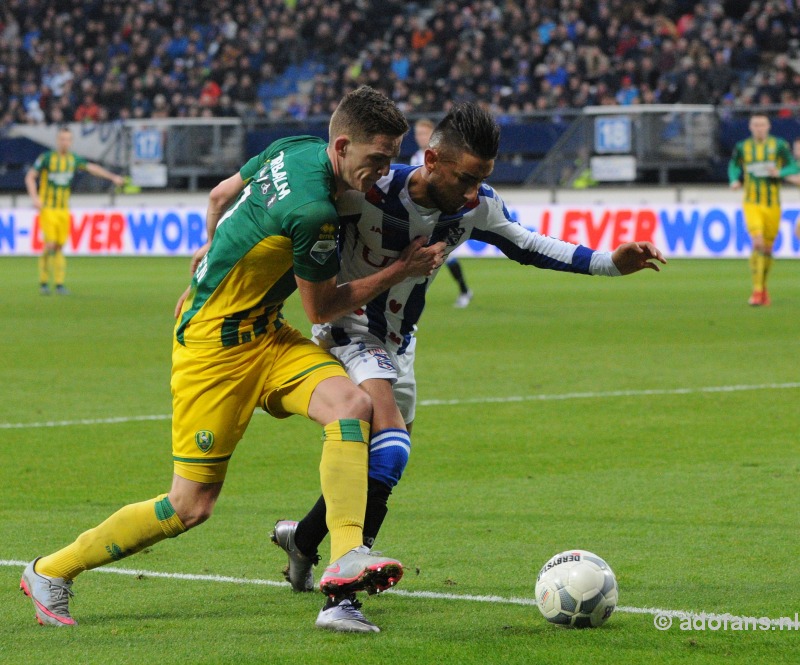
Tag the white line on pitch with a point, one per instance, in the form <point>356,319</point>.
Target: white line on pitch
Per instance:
<point>431,595</point>
<point>457,402</point>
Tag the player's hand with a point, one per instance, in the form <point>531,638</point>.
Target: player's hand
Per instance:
<point>736,184</point>
<point>197,257</point>
<point>181,300</point>
<point>118,180</point>
<point>37,203</point>
<point>417,260</point>
<point>632,257</point>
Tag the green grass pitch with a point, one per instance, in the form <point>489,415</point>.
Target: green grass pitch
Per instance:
<point>615,445</point>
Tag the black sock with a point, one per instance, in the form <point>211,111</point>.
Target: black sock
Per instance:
<point>458,275</point>
<point>377,496</point>
<point>312,529</point>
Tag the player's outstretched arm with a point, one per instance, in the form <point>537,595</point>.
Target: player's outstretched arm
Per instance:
<point>632,257</point>
<point>327,301</point>
<point>99,172</point>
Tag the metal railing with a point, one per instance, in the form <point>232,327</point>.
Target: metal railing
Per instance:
<point>661,138</point>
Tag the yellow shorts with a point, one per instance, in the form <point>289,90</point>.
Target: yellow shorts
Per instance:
<point>54,223</point>
<point>215,391</point>
<point>762,221</point>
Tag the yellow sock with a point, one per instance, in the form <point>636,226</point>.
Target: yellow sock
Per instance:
<point>767,266</point>
<point>127,531</point>
<point>757,269</point>
<point>59,267</point>
<point>343,475</point>
<point>44,267</point>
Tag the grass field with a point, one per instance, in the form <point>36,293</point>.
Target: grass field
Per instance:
<point>651,419</point>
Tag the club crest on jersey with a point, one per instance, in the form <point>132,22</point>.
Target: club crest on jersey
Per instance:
<point>450,235</point>
<point>322,250</point>
<point>204,440</point>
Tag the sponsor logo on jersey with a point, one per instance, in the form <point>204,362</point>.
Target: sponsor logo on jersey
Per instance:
<point>322,250</point>
<point>279,177</point>
<point>327,232</point>
<point>204,440</point>
<point>61,178</point>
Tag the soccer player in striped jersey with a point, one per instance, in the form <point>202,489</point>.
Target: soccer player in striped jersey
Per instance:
<point>445,200</point>
<point>757,166</point>
<point>55,170</point>
<point>233,351</point>
<point>423,128</point>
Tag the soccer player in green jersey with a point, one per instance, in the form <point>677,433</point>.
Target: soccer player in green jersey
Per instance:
<point>757,166</point>
<point>233,351</point>
<point>55,170</point>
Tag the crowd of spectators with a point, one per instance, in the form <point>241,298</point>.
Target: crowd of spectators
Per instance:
<point>99,60</point>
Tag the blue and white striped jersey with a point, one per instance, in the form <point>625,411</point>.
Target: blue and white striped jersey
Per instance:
<point>378,225</point>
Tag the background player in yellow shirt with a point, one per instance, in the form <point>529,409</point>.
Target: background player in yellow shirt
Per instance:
<point>233,351</point>
<point>55,170</point>
<point>757,165</point>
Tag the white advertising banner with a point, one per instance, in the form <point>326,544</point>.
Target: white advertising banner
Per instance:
<point>701,231</point>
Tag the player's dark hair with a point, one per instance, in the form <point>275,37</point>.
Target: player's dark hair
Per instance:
<point>468,127</point>
<point>364,114</point>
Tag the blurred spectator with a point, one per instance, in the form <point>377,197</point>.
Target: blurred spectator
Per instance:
<point>88,111</point>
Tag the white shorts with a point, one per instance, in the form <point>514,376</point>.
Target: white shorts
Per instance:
<point>366,357</point>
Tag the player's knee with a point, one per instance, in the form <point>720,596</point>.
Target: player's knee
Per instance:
<point>389,451</point>
<point>357,404</point>
<point>192,513</point>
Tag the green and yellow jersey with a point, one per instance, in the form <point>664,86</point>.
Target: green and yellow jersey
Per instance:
<point>56,172</point>
<point>284,223</point>
<point>755,160</point>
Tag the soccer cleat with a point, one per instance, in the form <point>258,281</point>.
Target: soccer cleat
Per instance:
<point>756,299</point>
<point>360,570</point>
<point>44,290</point>
<point>463,300</point>
<point>61,290</point>
<point>299,572</point>
<point>50,596</point>
<point>344,615</point>
<point>765,300</point>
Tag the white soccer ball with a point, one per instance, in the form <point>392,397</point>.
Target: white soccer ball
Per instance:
<point>576,588</point>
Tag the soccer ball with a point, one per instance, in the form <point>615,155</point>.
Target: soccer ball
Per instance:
<point>576,588</point>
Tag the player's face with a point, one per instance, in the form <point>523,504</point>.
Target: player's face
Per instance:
<point>455,179</point>
<point>63,142</point>
<point>759,128</point>
<point>422,135</point>
<point>362,164</point>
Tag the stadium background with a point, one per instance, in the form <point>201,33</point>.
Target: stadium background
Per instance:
<point>213,82</point>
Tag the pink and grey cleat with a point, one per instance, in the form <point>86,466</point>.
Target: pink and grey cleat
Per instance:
<point>50,596</point>
<point>360,570</point>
